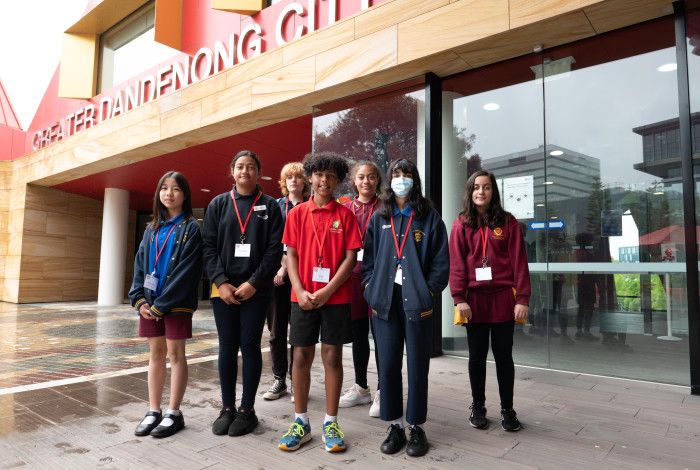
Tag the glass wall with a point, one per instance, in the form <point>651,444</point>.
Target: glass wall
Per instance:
<point>584,140</point>
<point>380,126</point>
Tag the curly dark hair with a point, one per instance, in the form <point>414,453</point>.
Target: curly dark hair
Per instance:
<point>420,205</point>
<point>495,215</point>
<point>324,161</point>
<point>356,167</point>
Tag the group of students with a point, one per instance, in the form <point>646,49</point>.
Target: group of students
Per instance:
<point>332,272</point>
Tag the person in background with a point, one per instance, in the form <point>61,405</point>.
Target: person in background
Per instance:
<point>366,182</point>
<point>295,189</point>
<point>490,285</point>
<point>242,252</point>
<point>405,266</point>
<point>167,270</point>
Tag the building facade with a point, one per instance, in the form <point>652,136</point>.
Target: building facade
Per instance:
<point>582,108</point>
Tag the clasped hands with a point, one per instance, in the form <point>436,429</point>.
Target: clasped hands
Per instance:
<point>231,294</point>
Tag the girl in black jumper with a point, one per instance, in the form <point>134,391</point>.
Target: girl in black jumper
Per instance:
<point>242,252</point>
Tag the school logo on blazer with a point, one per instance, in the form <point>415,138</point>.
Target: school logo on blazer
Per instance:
<point>418,235</point>
<point>498,233</point>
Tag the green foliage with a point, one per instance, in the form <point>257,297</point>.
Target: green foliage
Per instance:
<point>628,292</point>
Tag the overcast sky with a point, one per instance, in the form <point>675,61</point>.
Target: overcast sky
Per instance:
<point>30,47</point>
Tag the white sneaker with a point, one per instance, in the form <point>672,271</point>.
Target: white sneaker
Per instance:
<point>375,408</point>
<point>354,396</point>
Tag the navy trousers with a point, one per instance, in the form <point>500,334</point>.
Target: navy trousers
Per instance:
<point>240,327</point>
<point>391,335</point>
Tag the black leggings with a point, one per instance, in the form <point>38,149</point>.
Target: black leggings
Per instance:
<point>502,346</point>
<point>240,327</point>
<point>360,350</point>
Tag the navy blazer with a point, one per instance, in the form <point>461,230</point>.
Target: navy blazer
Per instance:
<point>182,277</point>
<point>425,265</point>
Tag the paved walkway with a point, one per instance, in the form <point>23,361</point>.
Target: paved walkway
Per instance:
<point>570,421</point>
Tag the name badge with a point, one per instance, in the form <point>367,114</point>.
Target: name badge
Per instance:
<point>398,279</point>
<point>242,250</point>
<point>284,248</point>
<point>360,255</point>
<point>483,274</point>
<point>386,226</point>
<point>151,282</point>
<point>259,208</point>
<point>321,275</point>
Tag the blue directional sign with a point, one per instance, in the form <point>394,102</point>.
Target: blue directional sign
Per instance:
<point>544,224</point>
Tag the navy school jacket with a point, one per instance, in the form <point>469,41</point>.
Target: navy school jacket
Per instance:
<point>182,277</point>
<point>426,265</point>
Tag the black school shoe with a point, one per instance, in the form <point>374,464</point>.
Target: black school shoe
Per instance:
<point>477,418</point>
<point>417,443</point>
<point>223,422</point>
<point>167,431</point>
<point>244,423</point>
<point>510,421</point>
<point>395,441</point>
<point>145,429</point>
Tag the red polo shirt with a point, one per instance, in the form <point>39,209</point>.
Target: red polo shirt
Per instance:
<point>335,223</point>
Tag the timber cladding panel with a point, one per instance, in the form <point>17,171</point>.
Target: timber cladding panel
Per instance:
<point>60,252</point>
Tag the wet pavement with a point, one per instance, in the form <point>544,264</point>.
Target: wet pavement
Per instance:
<point>570,420</point>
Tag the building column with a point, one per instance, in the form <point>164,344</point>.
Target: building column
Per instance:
<point>115,226</point>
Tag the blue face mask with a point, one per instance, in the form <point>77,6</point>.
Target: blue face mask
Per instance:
<point>401,185</point>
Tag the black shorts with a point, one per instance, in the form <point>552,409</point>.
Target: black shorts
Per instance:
<point>331,321</point>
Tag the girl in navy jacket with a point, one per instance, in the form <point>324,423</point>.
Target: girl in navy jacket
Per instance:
<point>167,271</point>
<point>405,265</point>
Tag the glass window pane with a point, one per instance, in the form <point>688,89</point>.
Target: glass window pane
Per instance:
<point>616,262</point>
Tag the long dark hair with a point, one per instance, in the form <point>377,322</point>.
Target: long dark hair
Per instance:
<point>419,204</point>
<point>160,212</point>
<point>495,216</point>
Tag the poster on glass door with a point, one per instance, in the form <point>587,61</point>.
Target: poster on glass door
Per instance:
<point>518,196</point>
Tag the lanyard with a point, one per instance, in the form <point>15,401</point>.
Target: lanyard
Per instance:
<point>286,206</point>
<point>484,231</point>
<point>320,243</point>
<point>399,249</point>
<point>371,211</point>
<point>160,251</point>
<point>250,212</point>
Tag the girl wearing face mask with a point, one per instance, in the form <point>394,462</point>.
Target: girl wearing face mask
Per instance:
<point>490,285</point>
<point>366,181</point>
<point>405,266</point>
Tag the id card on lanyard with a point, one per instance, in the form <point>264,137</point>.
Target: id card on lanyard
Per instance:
<point>151,280</point>
<point>398,278</point>
<point>242,249</point>
<point>361,252</point>
<point>321,274</point>
<point>484,272</point>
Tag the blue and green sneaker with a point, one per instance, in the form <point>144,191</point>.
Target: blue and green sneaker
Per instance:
<point>333,437</point>
<point>297,435</point>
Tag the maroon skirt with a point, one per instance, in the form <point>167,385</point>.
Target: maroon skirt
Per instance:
<point>358,307</point>
<point>491,306</point>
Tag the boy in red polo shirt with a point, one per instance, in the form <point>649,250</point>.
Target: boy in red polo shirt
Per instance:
<point>322,239</point>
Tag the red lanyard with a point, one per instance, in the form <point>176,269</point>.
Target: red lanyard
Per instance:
<point>286,206</point>
<point>484,241</point>
<point>371,211</point>
<point>250,212</point>
<point>399,249</point>
<point>160,251</point>
<point>320,243</point>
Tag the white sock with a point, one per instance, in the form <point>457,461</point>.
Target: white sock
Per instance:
<point>398,421</point>
<point>149,419</point>
<point>420,426</point>
<point>173,412</point>
<point>302,416</point>
<point>330,419</point>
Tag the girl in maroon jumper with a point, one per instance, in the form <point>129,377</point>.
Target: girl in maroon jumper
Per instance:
<point>366,181</point>
<point>490,285</point>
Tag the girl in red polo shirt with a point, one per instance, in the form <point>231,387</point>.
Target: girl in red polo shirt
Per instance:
<point>490,285</point>
<point>366,181</point>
